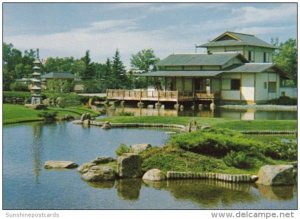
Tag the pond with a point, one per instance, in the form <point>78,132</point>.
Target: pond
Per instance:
<point>249,114</point>
<point>27,185</point>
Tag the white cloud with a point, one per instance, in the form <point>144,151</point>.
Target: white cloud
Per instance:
<point>102,39</point>
<point>250,15</point>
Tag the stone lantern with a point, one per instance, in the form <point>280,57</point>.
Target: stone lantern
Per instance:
<point>36,97</point>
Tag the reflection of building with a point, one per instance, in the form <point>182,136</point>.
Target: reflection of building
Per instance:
<point>237,68</point>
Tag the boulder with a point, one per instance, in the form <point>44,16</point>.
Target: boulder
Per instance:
<point>138,148</point>
<point>276,175</point>
<point>83,168</point>
<point>99,173</point>
<point>154,175</point>
<point>254,178</point>
<point>86,122</point>
<point>129,165</point>
<point>106,125</point>
<point>57,164</point>
<point>102,160</point>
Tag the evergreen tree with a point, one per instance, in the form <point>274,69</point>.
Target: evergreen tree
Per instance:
<point>118,72</point>
<point>89,71</point>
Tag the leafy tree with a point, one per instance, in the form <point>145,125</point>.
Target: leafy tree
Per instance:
<point>59,86</point>
<point>144,60</point>
<point>286,58</point>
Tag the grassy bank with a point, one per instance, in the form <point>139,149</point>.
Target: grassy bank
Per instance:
<point>219,151</point>
<point>20,113</point>
<point>214,122</point>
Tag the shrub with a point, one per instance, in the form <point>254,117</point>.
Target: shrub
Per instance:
<point>18,86</point>
<point>122,149</point>
<point>48,115</point>
<point>280,150</point>
<point>126,114</point>
<point>240,160</point>
<point>215,143</point>
<point>284,100</point>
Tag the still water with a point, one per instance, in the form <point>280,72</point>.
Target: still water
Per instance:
<point>249,114</point>
<point>27,185</point>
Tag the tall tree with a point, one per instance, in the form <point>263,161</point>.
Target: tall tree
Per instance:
<point>89,71</point>
<point>119,78</point>
<point>144,60</point>
<point>286,58</point>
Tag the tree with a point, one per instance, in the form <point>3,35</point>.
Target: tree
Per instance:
<point>118,77</point>
<point>286,58</point>
<point>144,60</point>
<point>89,71</point>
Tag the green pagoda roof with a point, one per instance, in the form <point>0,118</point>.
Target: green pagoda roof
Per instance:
<point>199,59</point>
<point>58,75</point>
<point>237,39</point>
<point>243,68</point>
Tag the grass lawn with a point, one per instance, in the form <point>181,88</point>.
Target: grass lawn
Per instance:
<point>215,122</point>
<point>19,113</point>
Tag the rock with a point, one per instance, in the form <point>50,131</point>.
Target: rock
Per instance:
<point>106,125</point>
<point>86,122</point>
<point>83,168</point>
<point>68,117</point>
<point>276,175</point>
<point>102,160</point>
<point>129,165</point>
<point>254,178</point>
<point>85,116</point>
<point>56,164</point>
<point>99,173</point>
<point>138,148</point>
<point>154,175</point>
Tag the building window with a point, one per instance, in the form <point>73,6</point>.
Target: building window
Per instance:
<point>272,87</point>
<point>251,55</point>
<point>266,57</point>
<point>235,84</point>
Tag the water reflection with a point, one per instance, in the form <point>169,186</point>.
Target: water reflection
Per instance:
<point>37,129</point>
<point>102,185</point>
<point>209,193</point>
<point>249,114</point>
<point>277,192</point>
<point>129,189</point>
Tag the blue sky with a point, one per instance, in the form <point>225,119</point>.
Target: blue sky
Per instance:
<point>69,29</point>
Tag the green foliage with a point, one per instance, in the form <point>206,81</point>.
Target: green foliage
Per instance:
<point>126,113</point>
<point>240,159</point>
<point>94,86</point>
<point>284,100</point>
<point>286,58</point>
<point>122,149</point>
<point>18,86</point>
<point>144,60</point>
<point>215,142</point>
<point>15,65</point>
<point>170,158</point>
<point>59,86</point>
<point>89,71</point>
<point>16,94</point>
<point>281,150</point>
<point>48,115</point>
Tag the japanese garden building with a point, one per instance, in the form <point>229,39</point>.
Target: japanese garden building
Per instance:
<point>237,68</point>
